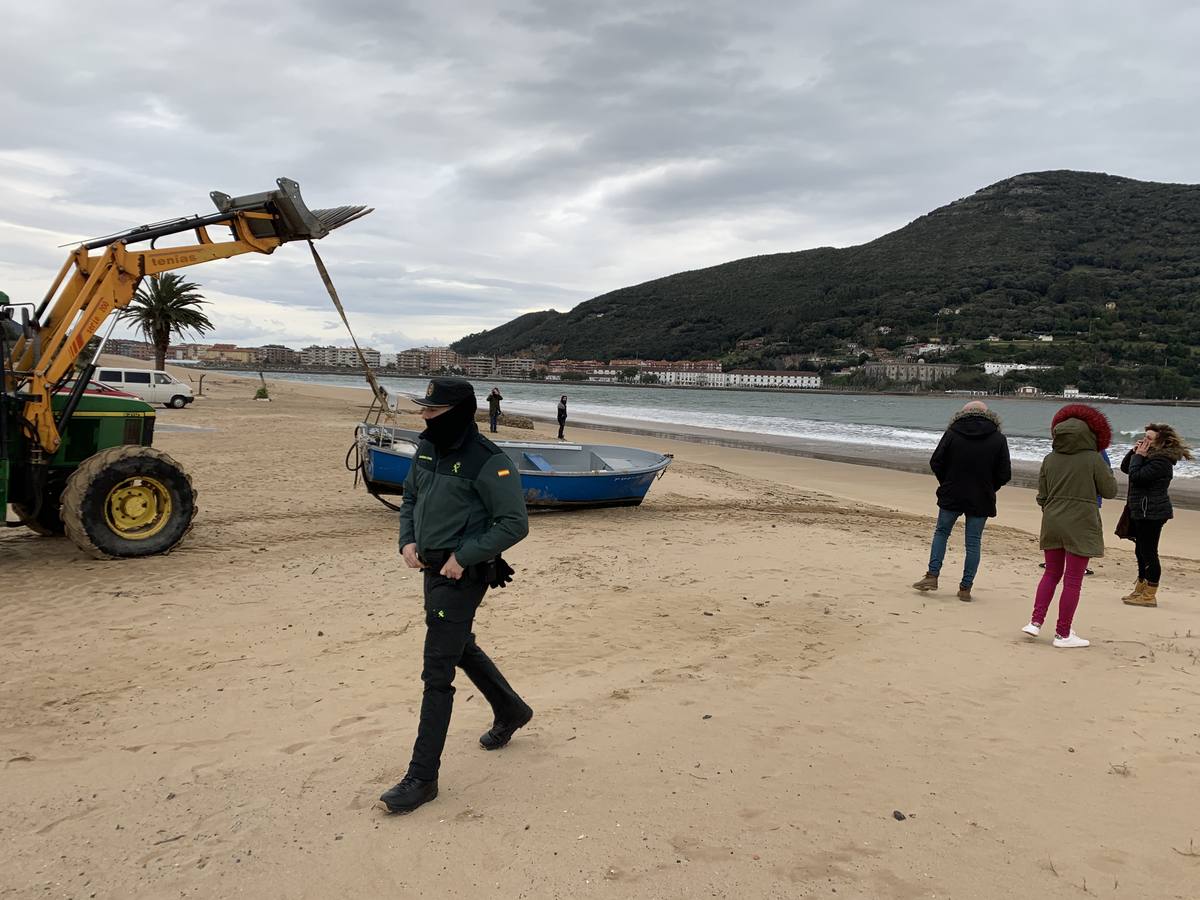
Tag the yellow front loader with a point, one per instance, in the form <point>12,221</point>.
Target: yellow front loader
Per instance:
<point>78,462</point>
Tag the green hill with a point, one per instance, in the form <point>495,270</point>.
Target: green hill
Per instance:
<point>1040,253</point>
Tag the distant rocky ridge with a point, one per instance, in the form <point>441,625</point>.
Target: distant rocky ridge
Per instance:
<point>1109,266</point>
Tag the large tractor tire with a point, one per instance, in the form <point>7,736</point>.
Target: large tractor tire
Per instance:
<point>128,501</point>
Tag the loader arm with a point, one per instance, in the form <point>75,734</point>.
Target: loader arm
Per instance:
<point>90,287</point>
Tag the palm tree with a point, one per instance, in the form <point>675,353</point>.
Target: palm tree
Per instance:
<point>165,306</point>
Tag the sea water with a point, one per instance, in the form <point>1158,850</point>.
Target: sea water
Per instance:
<point>874,423</point>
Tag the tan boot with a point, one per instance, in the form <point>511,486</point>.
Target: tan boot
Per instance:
<point>964,594</point>
<point>1135,593</point>
<point>1148,596</point>
<point>928,583</point>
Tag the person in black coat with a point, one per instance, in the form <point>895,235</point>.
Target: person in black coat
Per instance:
<point>562,416</point>
<point>493,400</point>
<point>971,463</point>
<point>1150,466</point>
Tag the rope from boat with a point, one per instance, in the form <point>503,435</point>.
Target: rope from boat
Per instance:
<point>380,393</point>
<point>358,462</point>
<point>358,450</point>
<point>391,506</point>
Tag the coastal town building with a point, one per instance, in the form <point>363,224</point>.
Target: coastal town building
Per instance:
<point>683,378</point>
<point>227,354</point>
<point>479,366</point>
<point>1028,390</point>
<point>133,349</point>
<point>185,352</point>
<point>337,356</point>
<point>413,361</point>
<point>682,365</point>
<point>582,367</point>
<point>747,378</point>
<point>769,379</point>
<point>442,358</point>
<point>514,367</point>
<point>276,355</point>
<point>920,372</point>
<point>1001,368</point>
<point>317,356</point>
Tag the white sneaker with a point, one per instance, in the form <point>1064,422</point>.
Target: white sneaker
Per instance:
<point>1071,640</point>
<point>1032,630</point>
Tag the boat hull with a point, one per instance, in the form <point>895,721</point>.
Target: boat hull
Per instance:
<point>386,467</point>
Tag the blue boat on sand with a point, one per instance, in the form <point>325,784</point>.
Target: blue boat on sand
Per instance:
<point>554,474</point>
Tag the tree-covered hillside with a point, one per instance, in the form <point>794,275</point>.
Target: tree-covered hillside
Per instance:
<point>1041,253</point>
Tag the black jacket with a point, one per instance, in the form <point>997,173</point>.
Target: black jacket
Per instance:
<point>468,500</point>
<point>971,463</point>
<point>1149,483</point>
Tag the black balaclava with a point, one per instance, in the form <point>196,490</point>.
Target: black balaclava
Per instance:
<point>448,430</point>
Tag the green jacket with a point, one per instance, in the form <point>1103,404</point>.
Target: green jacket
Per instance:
<point>468,500</point>
<point>1071,478</point>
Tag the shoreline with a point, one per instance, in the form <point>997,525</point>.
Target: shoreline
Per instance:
<point>340,372</point>
<point>1185,492</point>
<point>1025,473</point>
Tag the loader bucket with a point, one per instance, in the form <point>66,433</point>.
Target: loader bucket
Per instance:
<point>291,219</point>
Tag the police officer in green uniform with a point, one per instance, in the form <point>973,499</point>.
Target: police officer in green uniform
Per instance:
<point>462,508</point>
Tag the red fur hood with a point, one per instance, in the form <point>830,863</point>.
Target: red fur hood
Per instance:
<point>1090,416</point>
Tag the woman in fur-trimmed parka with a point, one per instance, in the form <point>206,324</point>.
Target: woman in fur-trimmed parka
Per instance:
<point>1071,478</point>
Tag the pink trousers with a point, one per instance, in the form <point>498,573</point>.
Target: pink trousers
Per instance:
<point>1067,568</point>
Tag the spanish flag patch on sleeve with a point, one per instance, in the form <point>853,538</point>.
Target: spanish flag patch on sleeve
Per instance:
<point>502,472</point>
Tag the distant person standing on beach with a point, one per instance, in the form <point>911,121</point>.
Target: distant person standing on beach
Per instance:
<point>971,463</point>
<point>1072,476</point>
<point>463,507</point>
<point>562,416</point>
<point>494,399</point>
<point>1150,466</point>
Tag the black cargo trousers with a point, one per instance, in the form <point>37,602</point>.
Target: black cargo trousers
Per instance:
<point>449,612</point>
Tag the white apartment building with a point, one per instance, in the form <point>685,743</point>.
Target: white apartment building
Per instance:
<point>738,378</point>
<point>336,356</point>
<point>513,367</point>
<point>442,358</point>
<point>480,366</point>
<point>415,360</point>
<point>772,379</point>
<point>1001,369</point>
<point>687,378</point>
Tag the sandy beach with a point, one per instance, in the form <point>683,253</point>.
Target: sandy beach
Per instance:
<point>735,690</point>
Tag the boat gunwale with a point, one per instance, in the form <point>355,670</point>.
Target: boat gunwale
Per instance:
<point>657,466</point>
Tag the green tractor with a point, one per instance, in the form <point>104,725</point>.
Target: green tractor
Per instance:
<point>75,457</point>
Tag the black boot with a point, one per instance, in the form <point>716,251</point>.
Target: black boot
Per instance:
<point>409,794</point>
<point>503,729</point>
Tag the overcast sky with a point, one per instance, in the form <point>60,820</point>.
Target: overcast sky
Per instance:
<point>531,155</point>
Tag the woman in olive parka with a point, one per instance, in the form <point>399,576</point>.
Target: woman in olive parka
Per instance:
<point>1072,476</point>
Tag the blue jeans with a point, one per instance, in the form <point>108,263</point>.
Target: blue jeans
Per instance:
<point>941,537</point>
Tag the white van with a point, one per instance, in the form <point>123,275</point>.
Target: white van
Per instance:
<point>151,385</point>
